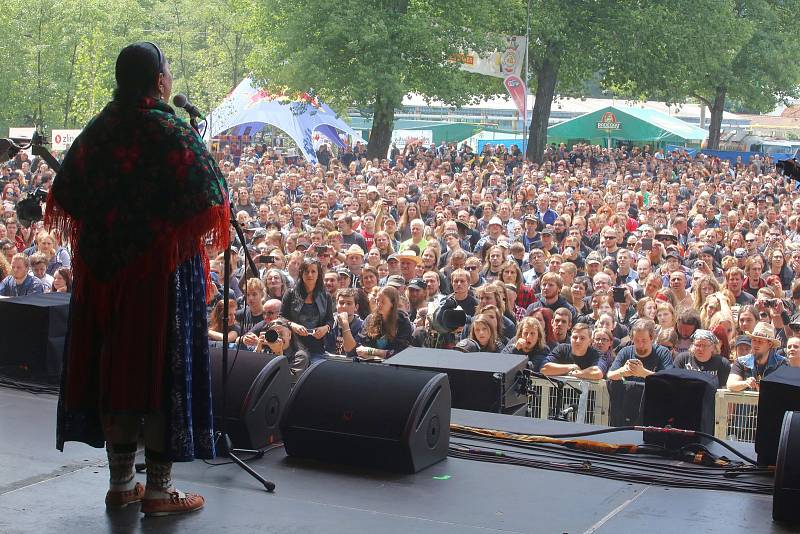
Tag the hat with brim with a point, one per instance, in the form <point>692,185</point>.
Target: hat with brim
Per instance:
<point>766,332</point>
<point>408,255</point>
<point>354,250</point>
<point>462,226</point>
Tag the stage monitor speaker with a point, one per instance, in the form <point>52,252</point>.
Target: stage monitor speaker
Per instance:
<point>368,415</point>
<point>481,381</point>
<point>679,398</point>
<point>786,492</point>
<point>778,393</point>
<point>258,388</point>
<point>32,331</point>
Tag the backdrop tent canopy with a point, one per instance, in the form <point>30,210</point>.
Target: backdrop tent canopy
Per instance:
<point>625,123</point>
<point>247,110</point>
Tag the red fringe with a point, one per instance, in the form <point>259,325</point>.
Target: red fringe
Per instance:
<point>118,330</point>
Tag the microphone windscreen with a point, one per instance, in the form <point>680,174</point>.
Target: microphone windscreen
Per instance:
<point>179,100</point>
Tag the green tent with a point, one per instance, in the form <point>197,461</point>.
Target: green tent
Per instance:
<point>622,123</point>
<point>442,131</point>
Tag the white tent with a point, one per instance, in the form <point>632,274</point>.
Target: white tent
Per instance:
<point>247,110</point>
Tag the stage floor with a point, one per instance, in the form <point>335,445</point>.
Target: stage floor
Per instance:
<point>43,491</point>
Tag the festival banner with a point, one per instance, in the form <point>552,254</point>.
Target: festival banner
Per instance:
<point>499,64</point>
<point>519,94</point>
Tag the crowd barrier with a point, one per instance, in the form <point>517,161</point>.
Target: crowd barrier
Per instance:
<point>587,401</point>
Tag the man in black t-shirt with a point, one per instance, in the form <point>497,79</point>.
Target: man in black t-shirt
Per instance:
<point>577,358</point>
<point>703,355</point>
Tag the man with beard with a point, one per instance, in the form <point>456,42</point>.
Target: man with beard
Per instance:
<point>643,358</point>
<point>551,296</point>
<point>417,293</point>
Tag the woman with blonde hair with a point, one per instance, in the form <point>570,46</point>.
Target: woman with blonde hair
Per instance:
<point>665,315</point>
<point>702,288</point>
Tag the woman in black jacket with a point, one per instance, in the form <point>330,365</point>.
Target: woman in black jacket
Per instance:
<point>309,309</point>
<point>387,330</point>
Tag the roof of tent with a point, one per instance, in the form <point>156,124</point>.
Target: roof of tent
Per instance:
<point>626,123</point>
<point>248,109</point>
<point>442,131</point>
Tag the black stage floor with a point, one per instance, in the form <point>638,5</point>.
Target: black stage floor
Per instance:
<point>43,491</point>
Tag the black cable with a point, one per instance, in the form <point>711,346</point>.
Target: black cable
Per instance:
<point>595,457</point>
<point>585,467</point>
<point>635,429</point>
<point>30,387</point>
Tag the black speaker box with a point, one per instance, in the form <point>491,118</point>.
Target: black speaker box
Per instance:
<point>258,388</point>
<point>368,415</point>
<point>778,393</point>
<point>32,331</point>
<point>786,492</point>
<point>679,398</point>
<point>481,381</point>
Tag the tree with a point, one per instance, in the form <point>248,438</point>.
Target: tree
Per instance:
<point>369,54</point>
<point>709,50</point>
<point>563,55</point>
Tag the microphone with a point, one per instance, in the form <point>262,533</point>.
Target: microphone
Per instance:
<point>181,101</point>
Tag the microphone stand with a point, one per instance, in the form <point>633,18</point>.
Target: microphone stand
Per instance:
<point>224,442</point>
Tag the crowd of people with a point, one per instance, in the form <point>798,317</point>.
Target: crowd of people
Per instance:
<point>598,263</point>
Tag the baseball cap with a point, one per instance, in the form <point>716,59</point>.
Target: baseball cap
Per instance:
<point>594,257</point>
<point>396,281</point>
<point>418,283</point>
<point>740,253</point>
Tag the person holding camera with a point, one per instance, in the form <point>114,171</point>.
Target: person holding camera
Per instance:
<point>309,308</point>
<point>277,339</point>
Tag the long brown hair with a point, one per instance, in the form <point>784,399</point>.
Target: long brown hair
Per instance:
<point>375,325</point>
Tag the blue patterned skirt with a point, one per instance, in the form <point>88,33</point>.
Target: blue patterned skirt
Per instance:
<point>189,432</point>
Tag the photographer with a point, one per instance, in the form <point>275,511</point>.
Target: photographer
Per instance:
<point>277,339</point>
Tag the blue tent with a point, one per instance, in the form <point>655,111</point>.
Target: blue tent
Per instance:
<point>247,110</point>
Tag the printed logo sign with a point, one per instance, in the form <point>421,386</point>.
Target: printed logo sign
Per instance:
<point>608,122</point>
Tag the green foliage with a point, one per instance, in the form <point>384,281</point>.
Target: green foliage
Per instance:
<point>61,70</point>
<point>689,48</point>
<point>362,53</point>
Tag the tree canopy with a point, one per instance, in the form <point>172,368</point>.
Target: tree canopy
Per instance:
<point>369,54</point>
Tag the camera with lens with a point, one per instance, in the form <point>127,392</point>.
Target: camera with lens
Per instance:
<point>789,167</point>
<point>29,210</point>
<point>271,335</point>
<point>448,316</point>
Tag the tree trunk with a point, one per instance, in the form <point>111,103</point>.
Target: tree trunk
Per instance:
<point>380,136</point>
<point>715,125</point>
<point>546,78</point>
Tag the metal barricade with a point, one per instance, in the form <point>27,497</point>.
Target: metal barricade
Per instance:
<point>587,401</point>
<point>736,415</point>
<point>584,401</point>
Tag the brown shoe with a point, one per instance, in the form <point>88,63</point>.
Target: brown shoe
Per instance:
<point>177,503</point>
<point>121,499</point>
